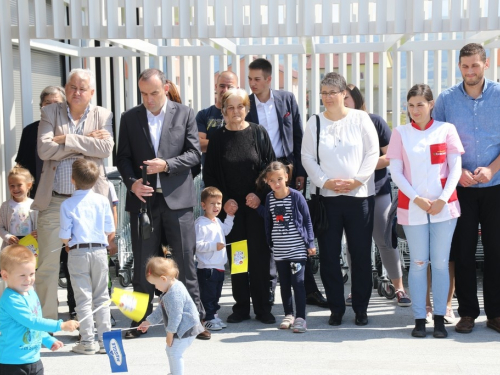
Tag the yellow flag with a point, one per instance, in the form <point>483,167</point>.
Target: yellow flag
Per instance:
<point>132,304</point>
<point>239,257</point>
<point>31,243</point>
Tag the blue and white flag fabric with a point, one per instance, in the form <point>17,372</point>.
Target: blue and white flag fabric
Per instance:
<point>114,349</point>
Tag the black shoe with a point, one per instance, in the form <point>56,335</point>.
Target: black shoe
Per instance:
<point>72,316</point>
<point>133,334</point>
<point>271,297</point>
<point>235,318</point>
<point>205,335</point>
<point>335,319</point>
<point>316,298</point>
<point>361,319</point>
<point>266,318</point>
<point>419,330</point>
<point>439,330</point>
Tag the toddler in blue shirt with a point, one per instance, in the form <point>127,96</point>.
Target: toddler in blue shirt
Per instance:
<point>22,328</point>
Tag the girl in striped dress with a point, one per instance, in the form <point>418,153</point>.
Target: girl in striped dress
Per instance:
<point>290,236</point>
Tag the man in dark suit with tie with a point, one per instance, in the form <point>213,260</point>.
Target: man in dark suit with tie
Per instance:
<point>278,112</point>
<point>162,135</point>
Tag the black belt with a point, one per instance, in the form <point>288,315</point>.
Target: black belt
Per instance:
<point>87,246</point>
<point>54,193</point>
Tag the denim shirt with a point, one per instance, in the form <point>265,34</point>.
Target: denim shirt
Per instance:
<point>477,122</point>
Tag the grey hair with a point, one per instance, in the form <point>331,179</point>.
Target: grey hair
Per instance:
<point>236,92</point>
<point>83,73</point>
<point>52,90</point>
<point>335,80</point>
<point>148,73</point>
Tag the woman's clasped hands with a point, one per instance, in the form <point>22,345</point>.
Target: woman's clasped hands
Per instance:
<point>431,207</point>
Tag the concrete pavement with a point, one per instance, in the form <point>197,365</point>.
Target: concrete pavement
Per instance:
<point>384,346</point>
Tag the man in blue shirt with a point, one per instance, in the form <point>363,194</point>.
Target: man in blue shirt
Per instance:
<point>473,106</point>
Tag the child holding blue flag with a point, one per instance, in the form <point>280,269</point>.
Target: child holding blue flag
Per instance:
<point>176,309</point>
<point>22,328</point>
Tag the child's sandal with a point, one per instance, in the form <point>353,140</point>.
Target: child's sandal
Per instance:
<point>287,322</point>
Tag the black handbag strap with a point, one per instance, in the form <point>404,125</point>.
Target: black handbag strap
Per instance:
<point>317,147</point>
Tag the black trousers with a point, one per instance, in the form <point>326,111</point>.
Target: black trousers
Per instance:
<point>178,227</point>
<point>355,216</point>
<point>479,206</point>
<point>289,280</point>
<point>249,225</point>
<point>309,280</point>
<point>27,369</point>
<point>69,287</point>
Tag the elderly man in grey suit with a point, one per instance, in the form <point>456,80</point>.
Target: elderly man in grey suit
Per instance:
<point>67,131</point>
<point>161,135</point>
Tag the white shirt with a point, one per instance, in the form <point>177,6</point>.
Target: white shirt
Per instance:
<point>208,233</point>
<point>268,118</point>
<point>348,148</point>
<point>155,124</point>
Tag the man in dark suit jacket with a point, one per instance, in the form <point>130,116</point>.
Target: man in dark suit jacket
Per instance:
<point>163,136</point>
<point>278,112</point>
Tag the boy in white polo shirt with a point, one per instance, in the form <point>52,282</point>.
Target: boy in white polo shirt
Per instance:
<point>211,252</point>
<point>86,224</point>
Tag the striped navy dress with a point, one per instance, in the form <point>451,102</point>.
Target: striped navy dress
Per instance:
<point>288,244</point>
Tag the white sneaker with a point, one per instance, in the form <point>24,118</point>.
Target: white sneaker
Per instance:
<point>212,325</point>
<point>449,318</point>
<point>219,320</point>
<point>85,348</point>
<point>102,349</point>
<point>299,326</point>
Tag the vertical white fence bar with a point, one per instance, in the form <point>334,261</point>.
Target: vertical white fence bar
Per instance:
<point>223,62</point>
<point>381,17</point>
<point>302,97</point>
<point>493,15</point>
<point>184,19</point>
<point>150,11</point>
<point>41,19</point>
<point>196,80</point>
<point>90,64</point>
<point>184,74</point>
<point>220,18</point>
<point>383,96</point>
<point>437,16</point>
<point>112,12</point>
<point>75,13</point>
<point>315,88</point>
<point>7,132</point>
<point>3,169</point>
<point>369,77</point>
<point>288,72</point>
<point>166,19</point>
<point>131,99</point>
<point>207,82</point>
<point>276,78</point>
<point>273,17</point>
<point>455,18</point>
<point>25,62</point>
<point>201,8</point>
<point>130,19</point>
<point>327,17</point>
<point>438,72</point>
<point>59,17</point>
<point>493,64</point>
<point>291,18</point>
<point>474,11</point>
<point>119,92</point>
<point>363,17</point>
<point>237,20</point>
<point>409,70</point>
<point>451,67</point>
<point>255,18</point>
<point>94,14</point>
<point>396,86</point>
<point>345,17</point>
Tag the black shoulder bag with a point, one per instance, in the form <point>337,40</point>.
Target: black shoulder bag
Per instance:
<point>316,206</point>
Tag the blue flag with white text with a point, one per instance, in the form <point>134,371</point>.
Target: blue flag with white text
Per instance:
<point>114,349</point>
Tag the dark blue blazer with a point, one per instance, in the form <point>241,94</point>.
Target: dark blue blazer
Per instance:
<point>290,124</point>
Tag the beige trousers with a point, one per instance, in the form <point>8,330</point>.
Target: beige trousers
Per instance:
<point>49,245</point>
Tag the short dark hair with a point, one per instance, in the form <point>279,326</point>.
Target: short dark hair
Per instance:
<point>357,97</point>
<point>148,73</point>
<point>262,64</point>
<point>85,173</point>
<point>472,49</point>
<point>210,192</point>
<point>420,89</point>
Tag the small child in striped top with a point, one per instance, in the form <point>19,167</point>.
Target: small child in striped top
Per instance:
<point>290,235</point>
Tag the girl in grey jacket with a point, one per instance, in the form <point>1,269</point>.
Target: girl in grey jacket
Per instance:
<point>176,309</point>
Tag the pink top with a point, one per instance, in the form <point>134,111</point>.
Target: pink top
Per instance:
<point>426,163</point>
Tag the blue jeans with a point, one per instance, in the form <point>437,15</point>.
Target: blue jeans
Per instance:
<point>210,281</point>
<point>431,241</point>
<point>175,354</point>
<point>289,280</point>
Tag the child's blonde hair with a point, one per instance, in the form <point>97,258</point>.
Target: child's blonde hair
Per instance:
<point>160,266</point>
<point>85,173</point>
<point>19,171</point>
<point>14,255</point>
<point>210,192</point>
